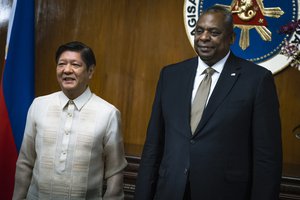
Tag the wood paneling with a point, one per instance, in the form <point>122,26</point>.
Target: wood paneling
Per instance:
<point>288,86</point>
<point>5,7</point>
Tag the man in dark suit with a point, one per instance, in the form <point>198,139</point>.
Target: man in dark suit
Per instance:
<point>235,152</point>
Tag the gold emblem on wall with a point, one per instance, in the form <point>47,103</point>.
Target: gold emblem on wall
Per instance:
<point>248,14</point>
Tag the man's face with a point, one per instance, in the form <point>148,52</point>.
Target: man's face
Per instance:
<point>72,74</point>
<point>212,37</point>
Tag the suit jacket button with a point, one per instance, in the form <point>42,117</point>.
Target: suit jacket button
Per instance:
<point>192,141</point>
<point>186,171</point>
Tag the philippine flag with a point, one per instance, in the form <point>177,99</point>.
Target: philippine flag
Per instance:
<point>16,89</point>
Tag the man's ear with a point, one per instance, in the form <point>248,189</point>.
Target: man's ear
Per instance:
<point>232,37</point>
<point>91,71</point>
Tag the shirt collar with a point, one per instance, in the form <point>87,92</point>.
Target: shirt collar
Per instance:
<point>79,101</point>
<point>218,67</point>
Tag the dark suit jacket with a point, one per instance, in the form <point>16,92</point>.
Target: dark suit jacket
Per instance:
<point>235,153</point>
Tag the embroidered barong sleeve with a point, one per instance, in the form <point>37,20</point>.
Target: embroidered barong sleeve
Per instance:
<point>26,159</point>
<point>114,158</point>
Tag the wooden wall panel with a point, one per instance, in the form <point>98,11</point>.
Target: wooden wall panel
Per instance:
<point>5,7</point>
<point>133,40</point>
<point>288,87</point>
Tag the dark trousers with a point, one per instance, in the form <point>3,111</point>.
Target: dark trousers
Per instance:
<point>187,193</point>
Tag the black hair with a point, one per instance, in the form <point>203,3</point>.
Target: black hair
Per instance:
<point>221,9</point>
<point>86,52</point>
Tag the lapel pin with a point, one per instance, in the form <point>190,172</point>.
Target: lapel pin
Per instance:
<point>232,74</point>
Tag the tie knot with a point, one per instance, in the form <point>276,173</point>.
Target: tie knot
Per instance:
<point>209,71</point>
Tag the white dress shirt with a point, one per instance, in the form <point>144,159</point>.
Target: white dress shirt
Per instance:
<point>218,67</point>
<point>69,148</point>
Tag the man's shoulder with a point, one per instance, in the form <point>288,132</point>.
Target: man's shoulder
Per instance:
<point>43,101</point>
<point>183,63</point>
<point>102,104</point>
<point>181,66</point>
<point>47,97</point>
<point>248,66</point>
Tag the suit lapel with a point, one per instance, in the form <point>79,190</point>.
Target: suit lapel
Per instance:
<point>188,86</point>
<point>227,79</point>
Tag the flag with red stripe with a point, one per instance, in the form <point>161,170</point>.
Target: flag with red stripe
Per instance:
<point>16,90</point>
